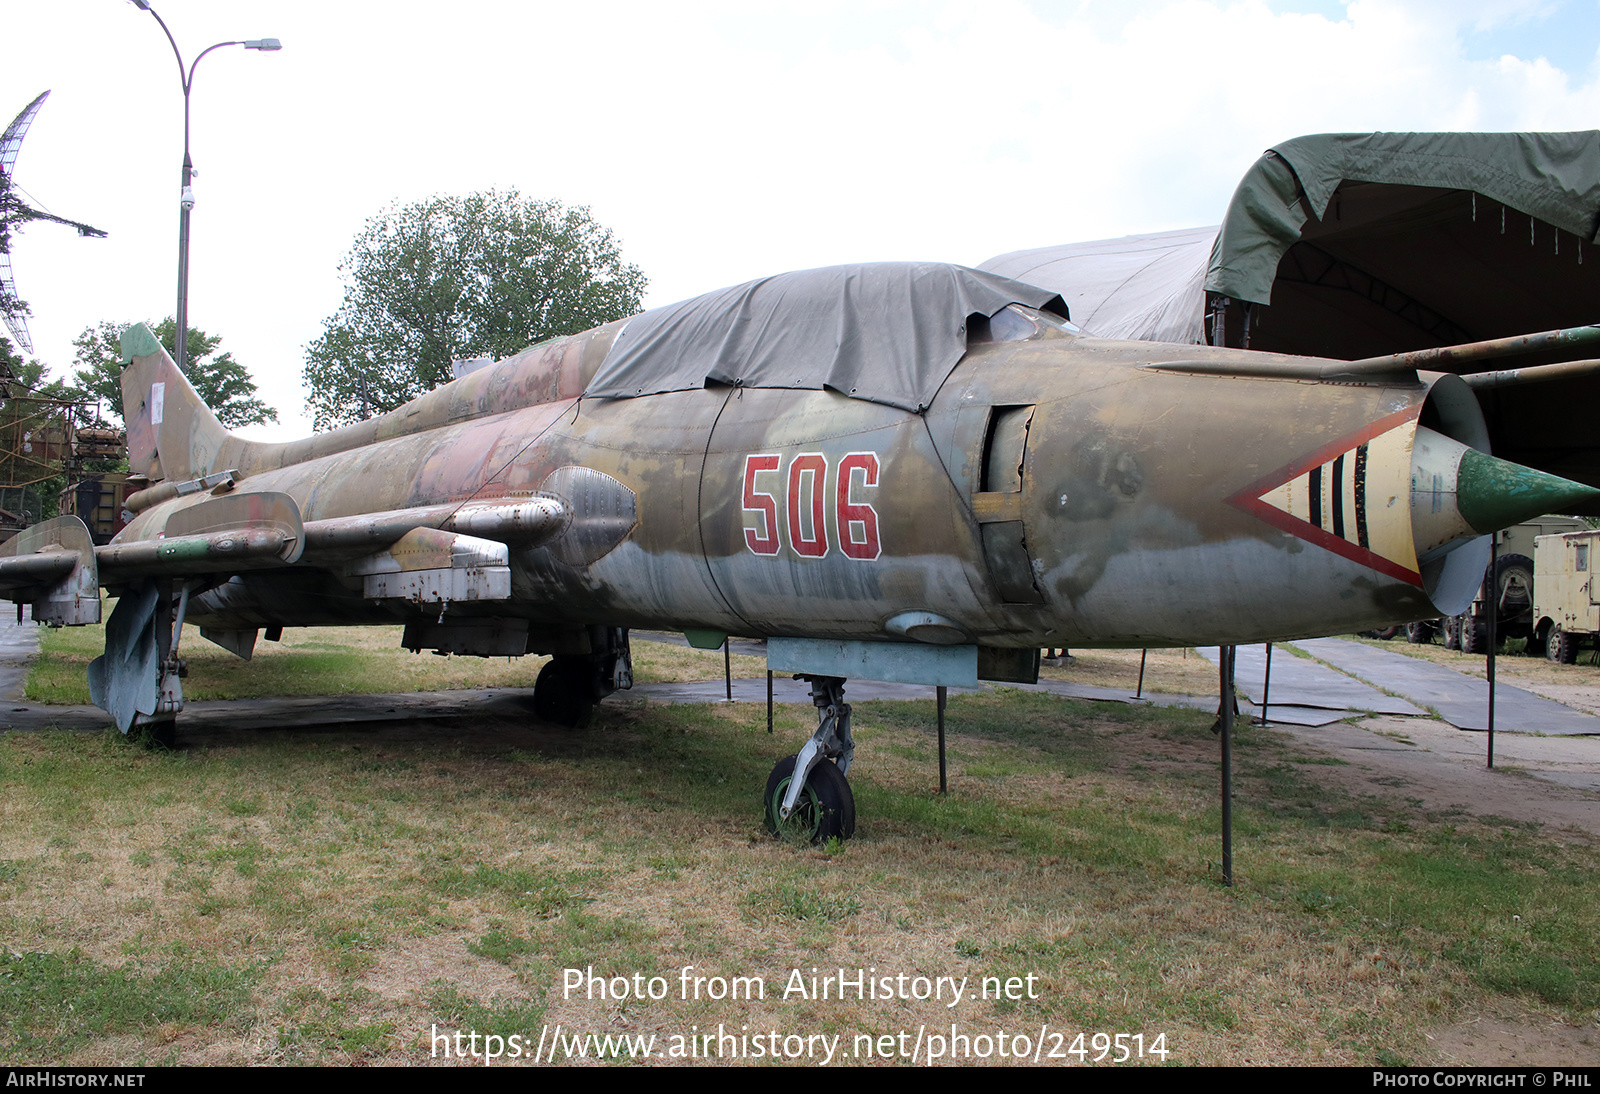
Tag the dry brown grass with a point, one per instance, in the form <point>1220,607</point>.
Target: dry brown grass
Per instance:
<point>331,897</point>
<point>1169,672</point>
<point>366,886</point>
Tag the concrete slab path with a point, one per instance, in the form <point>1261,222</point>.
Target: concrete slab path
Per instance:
<point>1461,700</point>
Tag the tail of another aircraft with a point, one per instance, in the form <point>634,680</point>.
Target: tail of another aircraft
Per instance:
<point>172,434</point>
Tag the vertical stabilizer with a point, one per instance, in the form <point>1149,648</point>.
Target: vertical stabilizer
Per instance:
<point>172,434</point>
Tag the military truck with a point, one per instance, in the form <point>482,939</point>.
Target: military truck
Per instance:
<point>98,501</point>
<point>1566,602</point>
<point>1510,588</point>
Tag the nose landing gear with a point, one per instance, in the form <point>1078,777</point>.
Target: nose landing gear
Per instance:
<point>808,797</point>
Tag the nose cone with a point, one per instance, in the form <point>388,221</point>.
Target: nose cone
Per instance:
<point>1495,494</point>
<point>1459,493</point>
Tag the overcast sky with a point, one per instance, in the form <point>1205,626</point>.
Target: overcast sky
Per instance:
<point>720,141</point>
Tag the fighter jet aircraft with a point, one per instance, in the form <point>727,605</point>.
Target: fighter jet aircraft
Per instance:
<point>907,472</point>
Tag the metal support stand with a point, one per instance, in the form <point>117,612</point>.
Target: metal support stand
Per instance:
<point>1266,687</point>
<point>1492,602</point>
<point>1227,763</point>
<point>943,695</point>
<point>1142,655</point>
<point>727,666</point>
<point>769,702</point>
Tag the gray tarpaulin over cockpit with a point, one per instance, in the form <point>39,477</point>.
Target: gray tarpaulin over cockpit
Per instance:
<point>887,332</point>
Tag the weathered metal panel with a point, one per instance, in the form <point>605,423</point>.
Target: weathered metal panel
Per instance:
<point>893,662</point>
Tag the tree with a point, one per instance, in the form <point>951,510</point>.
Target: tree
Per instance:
<point>10,364</point>
<point>485,275</point>
<point>222,382</point>
<point>12,306</point>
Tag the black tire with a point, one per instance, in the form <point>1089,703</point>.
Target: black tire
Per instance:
<point>561,695</point>
<point>1452,633</point>
<point>1474,635</point>
<point>1536,642</point>
<point>1559,646</point>
<point>1386,633</point>
<point>827,808</point>
<point>162,735</point>
<point>1421,633</point>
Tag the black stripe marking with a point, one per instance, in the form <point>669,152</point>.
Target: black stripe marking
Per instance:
<point>1361,495</point>
<point>1337,490</point>
<point>1314,484</point>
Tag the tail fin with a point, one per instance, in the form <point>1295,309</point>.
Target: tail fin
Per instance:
<point>172,434</point>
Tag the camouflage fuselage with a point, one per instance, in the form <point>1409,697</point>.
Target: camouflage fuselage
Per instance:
<point>1058,491</point>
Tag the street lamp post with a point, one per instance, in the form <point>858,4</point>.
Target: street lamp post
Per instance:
<point>186,191</point>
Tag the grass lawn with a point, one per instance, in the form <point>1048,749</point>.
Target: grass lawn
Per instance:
<point>346,895</point>
<point>340,661</point>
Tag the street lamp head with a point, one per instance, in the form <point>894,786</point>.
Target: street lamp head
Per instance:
<point>260,43</point>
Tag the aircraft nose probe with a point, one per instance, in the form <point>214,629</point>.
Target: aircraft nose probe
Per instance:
<point>1459,493</point>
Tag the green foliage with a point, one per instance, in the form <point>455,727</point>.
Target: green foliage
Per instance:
<point>787,900</point>
<point>485,275</point>
<point>51,1003</point>
<point>10,303</point>
<point>222,383</point>
<point>11,361</point>
<point>6,214</point>
<point>543,894</point>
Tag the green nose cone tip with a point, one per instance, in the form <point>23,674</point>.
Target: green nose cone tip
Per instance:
<point>1493,494</point>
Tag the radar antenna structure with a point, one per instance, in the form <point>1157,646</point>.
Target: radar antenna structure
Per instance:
<point>14,212</point>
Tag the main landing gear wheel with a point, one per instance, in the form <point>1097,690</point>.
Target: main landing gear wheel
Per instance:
<point>562,695</point>
<point>162,734</point>
<point>827,808</point>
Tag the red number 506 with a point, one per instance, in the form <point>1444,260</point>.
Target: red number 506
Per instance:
<point>805,492</point>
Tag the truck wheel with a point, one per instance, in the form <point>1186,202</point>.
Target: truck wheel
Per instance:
<point>1421,633</point>
<point>1560,647</point>
<point>1537,642</point>
<point>1474,635</point>
<point>1452,633</point>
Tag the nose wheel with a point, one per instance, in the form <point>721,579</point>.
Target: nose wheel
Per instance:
<point>808,798</point>
<point>825,810</point>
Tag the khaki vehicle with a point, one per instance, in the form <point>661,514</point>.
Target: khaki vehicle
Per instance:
<point>1566,602</point>
<point>1512,588</point>
<point>99,500</point>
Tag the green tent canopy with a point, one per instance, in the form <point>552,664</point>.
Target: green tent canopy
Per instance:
<point>1357,244</point>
